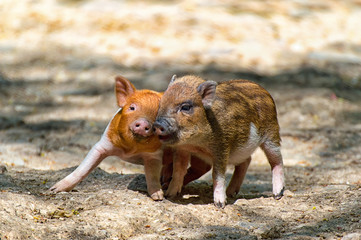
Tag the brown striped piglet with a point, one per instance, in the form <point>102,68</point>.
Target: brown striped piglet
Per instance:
<point>221,124</point>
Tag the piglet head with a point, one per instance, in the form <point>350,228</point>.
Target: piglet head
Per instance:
<point>182,112</point>
<point>134,122</point>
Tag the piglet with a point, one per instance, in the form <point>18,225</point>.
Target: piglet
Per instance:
<point>221,124</point>
<point>129,135</point>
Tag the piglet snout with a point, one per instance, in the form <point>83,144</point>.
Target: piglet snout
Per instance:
<point>141,127</point>
<point>160,127</point>
<point>165,130</point>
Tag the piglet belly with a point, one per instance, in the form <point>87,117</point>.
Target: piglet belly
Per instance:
<point>241,155</point>
<point>139,158</point>
<point>244,151</point>
<point>133,159</point>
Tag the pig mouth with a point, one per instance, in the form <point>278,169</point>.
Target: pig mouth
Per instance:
<point>168,139</point>
<point>139,137</point>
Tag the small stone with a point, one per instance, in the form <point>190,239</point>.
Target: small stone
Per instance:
<point>288,193</point>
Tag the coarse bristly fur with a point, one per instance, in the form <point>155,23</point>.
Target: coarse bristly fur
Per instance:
<point>221,124</point>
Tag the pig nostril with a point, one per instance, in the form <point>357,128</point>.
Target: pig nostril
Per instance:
<point>147,128</point>
<point>158,129</point>
<point>137,125</point>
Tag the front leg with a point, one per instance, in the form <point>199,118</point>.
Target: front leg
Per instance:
<point>197,169</point>
<point>219,181</point>
<point>180,165</point>
<point>152,170</point>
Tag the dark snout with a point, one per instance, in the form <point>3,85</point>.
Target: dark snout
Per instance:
<point>164,129</point>
<point>161,127</point>
<point>141,127</point>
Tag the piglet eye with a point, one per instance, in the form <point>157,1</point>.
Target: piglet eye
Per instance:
<point>132,107</point>
<point>186,107</point>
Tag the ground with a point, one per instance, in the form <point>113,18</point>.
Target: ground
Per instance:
<point>57,62</point>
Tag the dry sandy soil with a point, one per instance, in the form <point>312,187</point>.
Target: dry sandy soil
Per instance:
<point>57,62</point>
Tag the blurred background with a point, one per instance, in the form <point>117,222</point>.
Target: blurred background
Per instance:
<point>58,59</point>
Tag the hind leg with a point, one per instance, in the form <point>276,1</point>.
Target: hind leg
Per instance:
<point>237,178</point>
<point>197,169</point>
<point>167,168</point>
<point>274,156</point>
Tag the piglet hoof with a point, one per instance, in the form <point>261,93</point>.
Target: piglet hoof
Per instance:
<point>220,204</point>
<point>232,192</point>
<point>220,201</point>
<point>219,198</point>
<point>158,195</point>
<point>171,193</point>
<point>280,195</point>
<point>165,186</point>
<point>173,190</point>
<point>62,186</point>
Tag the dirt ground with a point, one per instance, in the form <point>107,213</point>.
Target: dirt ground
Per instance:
<point>57,62</point>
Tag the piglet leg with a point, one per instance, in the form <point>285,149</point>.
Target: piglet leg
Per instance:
<point>197,169</point>
<point>237,178</point>
<point>99,151</point>
<point>167,168</point>
<point>219,183</point>
<point>152,169</point>
<point>180,165</point>
<point>273,154</point>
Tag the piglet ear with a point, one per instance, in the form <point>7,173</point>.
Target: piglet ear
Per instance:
<point>123,89</point>
<point>207,90</point>
<point>174,77</point>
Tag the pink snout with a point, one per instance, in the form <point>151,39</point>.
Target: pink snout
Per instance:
<point>141,127</point>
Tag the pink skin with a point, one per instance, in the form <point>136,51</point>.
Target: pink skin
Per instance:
<point>141,127</point>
